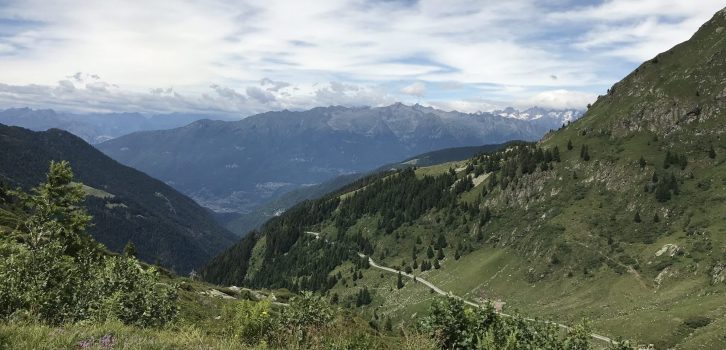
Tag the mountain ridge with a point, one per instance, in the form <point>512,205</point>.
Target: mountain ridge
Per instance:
<point>166,226</point>
<point>94,127</point>
<point>250,161</point>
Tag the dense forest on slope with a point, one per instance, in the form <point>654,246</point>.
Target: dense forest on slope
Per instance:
<point>127,205</point>
<point>241,224</point>
<point>392,199</point>
<point>617,217</point>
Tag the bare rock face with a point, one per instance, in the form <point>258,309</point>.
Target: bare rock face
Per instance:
<point>680,87</point>
<point>669,250</point>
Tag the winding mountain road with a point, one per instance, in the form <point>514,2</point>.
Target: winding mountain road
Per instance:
<point>471,303</point>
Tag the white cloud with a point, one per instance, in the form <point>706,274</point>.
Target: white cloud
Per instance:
<point>468,106</point>
<point>340,94</point>
<point>416,89</point>
<point>638,30</point>
<point>258,56</point>
<point>260,95</point>
<point>66,85</point>
<point>559,99</point>
<point>271,85</point>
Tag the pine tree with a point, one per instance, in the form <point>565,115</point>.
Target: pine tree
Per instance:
<point>363,297</point>
<point>656,218</point>
<point>683,161</point>
<point>637,217</point>
<point>662,193</point>
<point>711,152</point>
<point>642,162</point>
<point>673,184</point>
<point>56,211</point>
<point>399,282</point>
<point>441,242</point>
<point>492,181</point>
<point>569,145</point>
<point>486,215</point>
<point>130,250</point>
<point>667,160</point>
<point>654,178</point>
<point>556,154</point>
<point>440,254</point>
<point>436,264</point>
<point>430,252</point>
<point>584,153</point>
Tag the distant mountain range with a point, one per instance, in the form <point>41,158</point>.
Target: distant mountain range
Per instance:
<point>94,127</point>
<point>538,113</point>
<point>166,227</point>
<point>234,166</point>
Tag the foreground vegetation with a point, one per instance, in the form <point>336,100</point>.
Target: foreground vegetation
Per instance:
<point>63,290</point>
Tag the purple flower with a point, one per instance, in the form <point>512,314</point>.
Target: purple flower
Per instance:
<point>107,341</point>
<point>85,344</point>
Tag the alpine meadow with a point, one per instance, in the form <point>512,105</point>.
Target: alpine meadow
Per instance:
<point>363,175</point>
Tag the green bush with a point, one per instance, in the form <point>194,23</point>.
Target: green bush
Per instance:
<point>54,273</point>
<point>306,314</point>
<point>132,294</point>
<point>696,322</point>
<point>252,322</point>
<point>456,326</point>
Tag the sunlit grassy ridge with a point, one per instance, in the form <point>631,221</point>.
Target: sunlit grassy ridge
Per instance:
<point>624,226</point>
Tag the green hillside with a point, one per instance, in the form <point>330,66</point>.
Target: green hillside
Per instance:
<point>241,224</point>
<point>617,218</point>
<point>63,290</point>
<point>167,227</point>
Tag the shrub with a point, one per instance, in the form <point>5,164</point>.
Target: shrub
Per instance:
<point>252,322</point>
<point>696,322</point>
<point>455,326</point>
<point>305,314</point>
<point>131,294</point>
<point>54,273</point>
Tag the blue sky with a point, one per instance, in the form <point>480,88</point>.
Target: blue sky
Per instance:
<point>243,57</point>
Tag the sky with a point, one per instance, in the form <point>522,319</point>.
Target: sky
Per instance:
<point>245,57</point>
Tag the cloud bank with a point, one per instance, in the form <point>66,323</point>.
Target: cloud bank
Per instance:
<point>242,57</point>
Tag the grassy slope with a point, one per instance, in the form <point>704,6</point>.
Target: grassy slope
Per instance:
<point>564,244</point>
<point>617,283</point>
